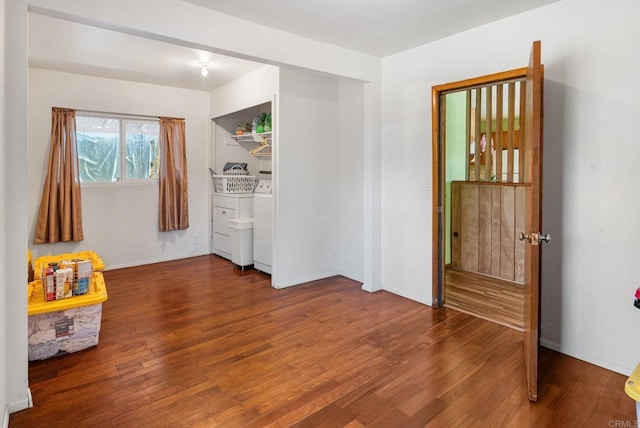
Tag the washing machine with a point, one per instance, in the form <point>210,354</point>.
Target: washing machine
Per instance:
<point>262,231</point>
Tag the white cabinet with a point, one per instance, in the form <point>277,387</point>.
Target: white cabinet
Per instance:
<point>227,206</point>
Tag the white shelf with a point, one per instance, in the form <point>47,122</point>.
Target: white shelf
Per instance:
<point>251,138</point>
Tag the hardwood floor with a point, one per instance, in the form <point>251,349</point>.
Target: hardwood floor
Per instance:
<point>196,343</point>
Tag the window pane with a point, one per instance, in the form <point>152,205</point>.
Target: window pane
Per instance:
<point>98,142</point>
<point>142,152</point>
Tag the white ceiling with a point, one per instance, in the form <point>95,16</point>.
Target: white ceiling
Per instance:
<point>61,45</point>
<point>376,27</point>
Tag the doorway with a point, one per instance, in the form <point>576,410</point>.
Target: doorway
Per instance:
<point>480,139</point>
<point>487,227</point>
<point>484,196</point>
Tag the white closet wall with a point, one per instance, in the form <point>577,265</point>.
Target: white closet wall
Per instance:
<point>350,178</point>
<point>319,173</point>
<point>306,179</point>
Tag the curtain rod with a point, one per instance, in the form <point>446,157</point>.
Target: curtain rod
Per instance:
<point>110,113</point>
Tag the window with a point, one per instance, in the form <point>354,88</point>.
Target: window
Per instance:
<point>106,143</point>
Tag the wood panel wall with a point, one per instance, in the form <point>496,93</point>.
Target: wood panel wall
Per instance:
<point>486,219</point>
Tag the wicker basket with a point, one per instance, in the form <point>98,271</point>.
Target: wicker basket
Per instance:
<point>234,183</point>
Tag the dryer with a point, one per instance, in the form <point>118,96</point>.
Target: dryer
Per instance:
<point>262,231</point>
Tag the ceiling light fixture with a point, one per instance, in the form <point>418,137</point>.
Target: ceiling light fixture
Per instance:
<point>204,70</point>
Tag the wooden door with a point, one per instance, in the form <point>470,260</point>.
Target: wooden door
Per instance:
<point>531,163</point>
<point>533,219</point>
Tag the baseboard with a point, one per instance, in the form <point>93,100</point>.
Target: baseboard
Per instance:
<point>411,296</point>
<point>5,417</point>
<point>262,267</point>
<point>305,280</point>
<point>355,276</point>
<point>21,405</point>
<point>626,371</point>
<point>153,261</point>
<point>370,288</point>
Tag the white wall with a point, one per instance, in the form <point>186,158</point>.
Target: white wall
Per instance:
<point>406,180</point>
<point>590,170</point>
<point>306,184</point>
<point>4,412</point>
<point>120,222</point>
<point>350,187</point>
<point>372,187</point>
<point>252,89</point>
<point>14,222</point>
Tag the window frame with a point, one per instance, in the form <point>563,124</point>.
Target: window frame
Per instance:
<point>123,119</point>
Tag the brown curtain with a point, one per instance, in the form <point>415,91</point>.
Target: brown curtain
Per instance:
<point>173,210</point>
<point>60,215</point>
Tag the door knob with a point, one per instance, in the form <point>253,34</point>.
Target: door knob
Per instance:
<point>535,238</point>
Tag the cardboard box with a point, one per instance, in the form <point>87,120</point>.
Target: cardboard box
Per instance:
<point>64,283</point>
<point>83,275</point>
<point>49,285</point>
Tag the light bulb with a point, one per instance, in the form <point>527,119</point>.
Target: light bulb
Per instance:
<point>204,70</point>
